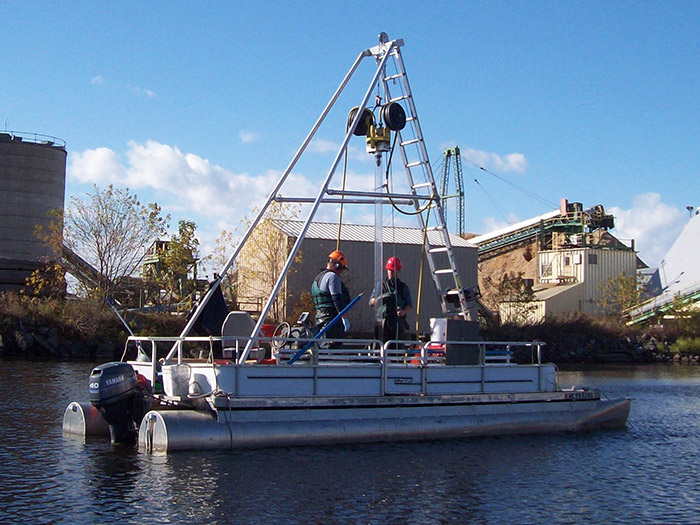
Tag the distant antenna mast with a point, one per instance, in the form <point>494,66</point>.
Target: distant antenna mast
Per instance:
<point>448,156</point>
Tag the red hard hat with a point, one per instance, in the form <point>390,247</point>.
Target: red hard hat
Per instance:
<point>393,264</point>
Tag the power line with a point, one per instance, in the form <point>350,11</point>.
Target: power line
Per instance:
<point>493,201</point>
<point>527,192</point>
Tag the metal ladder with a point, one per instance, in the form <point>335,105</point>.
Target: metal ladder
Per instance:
<point>414,155</point>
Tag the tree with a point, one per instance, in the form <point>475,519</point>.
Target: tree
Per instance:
<point>171,276</point>
<point>223,248</point>
<point>516,295</point>
<point>685,314</point>
<point>618,294</point>
<point>111,229</point>
<point>50,279</point>
<point>262,259</point>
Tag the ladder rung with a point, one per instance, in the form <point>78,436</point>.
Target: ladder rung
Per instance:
<point>397,99</point>
<point>436,228</point>
<point>443,271</point>
<point>412,141</point>
<point>410,119</point>
<point>414,164</point>
<point>439,249</point>
<point>421,185</point>
<point>392,77</point>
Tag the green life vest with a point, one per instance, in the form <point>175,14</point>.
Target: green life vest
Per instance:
<point>323,301</point>
<point>391,298</point>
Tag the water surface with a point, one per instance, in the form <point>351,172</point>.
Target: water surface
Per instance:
<point>645,474</point>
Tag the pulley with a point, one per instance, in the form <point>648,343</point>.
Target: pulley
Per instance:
<point>393,116</point>
<point>366,120</point>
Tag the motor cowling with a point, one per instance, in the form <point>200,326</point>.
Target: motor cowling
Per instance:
<point>115,392</point>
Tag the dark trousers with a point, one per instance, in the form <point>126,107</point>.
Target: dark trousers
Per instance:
<point>334,332</point>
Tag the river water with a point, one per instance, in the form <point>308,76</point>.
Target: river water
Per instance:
<point>645,474</point>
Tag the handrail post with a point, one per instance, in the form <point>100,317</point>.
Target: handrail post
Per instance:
<point>154,364</point>
<point>383,358</point>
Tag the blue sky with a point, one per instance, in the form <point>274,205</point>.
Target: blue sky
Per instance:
<point>200,106</point>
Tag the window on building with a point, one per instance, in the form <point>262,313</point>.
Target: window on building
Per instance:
<point>592,258</point>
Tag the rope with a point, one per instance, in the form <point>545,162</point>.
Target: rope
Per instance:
<point>342,198</point>
<point>386,185</point>
<point>420,272</point>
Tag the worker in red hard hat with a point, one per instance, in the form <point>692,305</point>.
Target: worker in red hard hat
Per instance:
<point>330,295</point>
<point>393,303</point>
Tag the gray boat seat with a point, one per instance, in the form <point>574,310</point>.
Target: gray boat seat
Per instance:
<point>237,328</point>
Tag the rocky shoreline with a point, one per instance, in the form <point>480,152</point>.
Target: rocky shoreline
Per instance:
<point>46,343</point>
<point>21,341</point>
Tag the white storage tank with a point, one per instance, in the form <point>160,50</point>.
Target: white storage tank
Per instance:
<point>32,183</point>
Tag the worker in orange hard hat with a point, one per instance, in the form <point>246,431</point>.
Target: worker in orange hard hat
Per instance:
<point>393,303</point>
<point>337,257</point>
<point>330,295</point>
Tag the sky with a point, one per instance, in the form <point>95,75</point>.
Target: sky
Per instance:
<point>199,106</point>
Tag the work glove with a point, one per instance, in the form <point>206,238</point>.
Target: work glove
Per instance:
<point>346,325</point>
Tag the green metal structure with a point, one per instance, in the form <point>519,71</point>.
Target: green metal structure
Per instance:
<point>451,157</point>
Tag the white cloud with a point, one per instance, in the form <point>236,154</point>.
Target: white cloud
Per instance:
<point>182,182</point>
<point>141,91</point>
<point>248,136</point>
<point>653,225</point>
<point>100,166</point>
<point>492,224</point>
<point>99,80</point>
<point>512,162</point>
<point>323,147</point>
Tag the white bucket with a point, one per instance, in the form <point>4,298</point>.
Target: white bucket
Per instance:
<point>438,329</point>
<point>176,380</point>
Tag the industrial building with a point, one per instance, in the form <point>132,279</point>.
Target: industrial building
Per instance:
<point>676,278</point>
<point>33,175</point>
<point>566,255</point>
<point>357,243</point>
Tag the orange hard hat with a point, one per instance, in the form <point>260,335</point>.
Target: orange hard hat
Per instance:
<point>393,264</point>
<point>337,256</point>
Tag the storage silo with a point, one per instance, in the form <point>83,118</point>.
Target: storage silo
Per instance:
<point>32,183</point>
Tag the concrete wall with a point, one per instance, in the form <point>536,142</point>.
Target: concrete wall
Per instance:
<point>32,183</point>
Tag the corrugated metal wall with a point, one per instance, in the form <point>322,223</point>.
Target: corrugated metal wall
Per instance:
<point>592,267</point>
<point>601,266</point>
<point>361,275</point>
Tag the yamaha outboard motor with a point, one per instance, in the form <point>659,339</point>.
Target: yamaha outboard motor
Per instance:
<point>115,392</point>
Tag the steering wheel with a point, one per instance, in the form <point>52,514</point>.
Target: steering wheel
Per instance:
<point>282,331</point>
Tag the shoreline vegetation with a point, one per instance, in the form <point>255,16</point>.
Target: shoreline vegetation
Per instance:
<point>44,328</point>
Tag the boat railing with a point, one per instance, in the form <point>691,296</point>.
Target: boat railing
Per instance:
<point>325,352</point>
<point>398,352</point>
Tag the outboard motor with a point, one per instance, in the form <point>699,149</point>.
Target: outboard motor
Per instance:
<point>115,392</point>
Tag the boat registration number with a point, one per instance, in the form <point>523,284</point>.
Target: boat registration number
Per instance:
<point>582,395</point>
